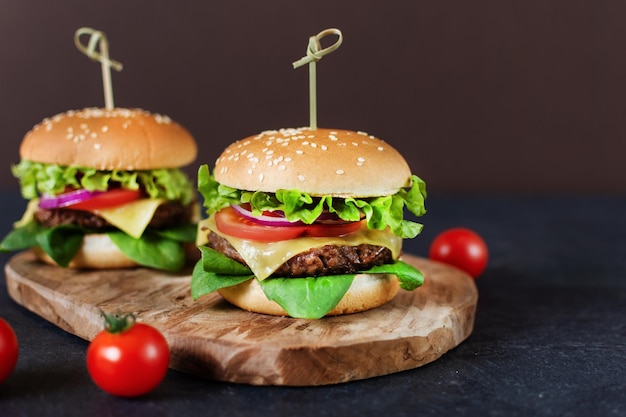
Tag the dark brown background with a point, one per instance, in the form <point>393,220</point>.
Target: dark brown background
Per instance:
<point>480,96</point>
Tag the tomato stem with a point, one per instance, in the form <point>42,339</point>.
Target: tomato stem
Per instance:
<point>117,322</point>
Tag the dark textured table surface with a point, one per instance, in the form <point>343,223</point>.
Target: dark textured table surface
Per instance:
<point>549,337</point>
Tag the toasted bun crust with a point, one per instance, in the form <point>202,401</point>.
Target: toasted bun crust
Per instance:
<point>366,292</point>
<point>126,139</point>
<point>334,162</point>
<point>97,252</point>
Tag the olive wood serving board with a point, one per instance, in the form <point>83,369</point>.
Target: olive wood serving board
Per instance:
<point>212,339</point>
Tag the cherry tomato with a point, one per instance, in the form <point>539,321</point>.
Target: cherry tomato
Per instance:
<point>462,248</point>
<point>111,198</point>
<point>8,350</point>
<point>127,359</point>
<point>228,221</point>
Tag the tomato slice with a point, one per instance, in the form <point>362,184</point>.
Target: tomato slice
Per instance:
<point>111,198</point>
<point>331,230</point>
<point>229,222</point>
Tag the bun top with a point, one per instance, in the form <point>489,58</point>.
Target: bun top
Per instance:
<point>335,162</point>
<point>126,139</point>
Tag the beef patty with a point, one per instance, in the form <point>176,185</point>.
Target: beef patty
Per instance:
<point>325,260</point>
<point>168,214</point>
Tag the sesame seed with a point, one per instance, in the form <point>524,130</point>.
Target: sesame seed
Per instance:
<point>162,119</point>
<point>360,159</point>
<point>355,144</point>
<point>282,167</point>
<point>250,172</point>
<point>93,135</point>
<point>288,159</point>
<point>97,146</point>
<point>339,172</point>
<point>299,151</point>
<point>105,129</point>
<point>380,148</point>
<point>301,177</point>
<point>305,143</point>
<point>324,147</point>
<point>333,137</point>
<point>261,177</point>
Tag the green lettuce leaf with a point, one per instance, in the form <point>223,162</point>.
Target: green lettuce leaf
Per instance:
<point>150,250</point>
<point>184,233</point>
<point>37,178</point>
<point>61,243</point>
<point>204,282</point>
<point>380,212</point>
<point>219,263</point>
<point>21,238</point>
<point>300,297</point>
<point>307,298</point>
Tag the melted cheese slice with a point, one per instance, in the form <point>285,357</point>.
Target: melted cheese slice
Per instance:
<point>264,258</point>
<point>131,218</point>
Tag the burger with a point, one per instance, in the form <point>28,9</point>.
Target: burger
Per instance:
<point>307,223</point>
<point>105,190</point>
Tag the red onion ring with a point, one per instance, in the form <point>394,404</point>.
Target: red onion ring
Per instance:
<point>277,218</point>
<point>48,201</point>
<point>265,220</point>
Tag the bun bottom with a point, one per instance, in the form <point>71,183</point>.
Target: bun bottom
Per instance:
<point>366,292</point>
<point>97,252</point>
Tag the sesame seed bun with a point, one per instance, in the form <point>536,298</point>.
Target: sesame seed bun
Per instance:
<point>124,139</point>
<point>335,162</point>
<point>366,292</point>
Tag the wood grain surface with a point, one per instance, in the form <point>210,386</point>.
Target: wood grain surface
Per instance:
<point>212,339</point>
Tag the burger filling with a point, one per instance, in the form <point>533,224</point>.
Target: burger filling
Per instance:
<point>147,214</point>
<point>168,214</point>
<point>317,261</point>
